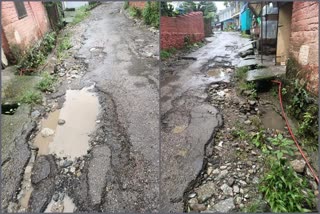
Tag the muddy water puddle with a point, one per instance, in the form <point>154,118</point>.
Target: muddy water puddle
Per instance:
<point>70,139</point>
<point>64,206</point>
<point>271,119</point>
<point>218,74</point>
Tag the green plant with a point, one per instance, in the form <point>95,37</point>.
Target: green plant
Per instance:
<point>151,14</point>
<point>64,44</point>
<point>284,190</point>
<point>31,97</point>
<point>135,12</point>
<point>308,128</point>
<point>167,9</point>
<point>165,54</point>
<point>241,72</point>
<point>47,82</point>
<point>283,146</point>
<point>126,5</point>
<point>81,13</point>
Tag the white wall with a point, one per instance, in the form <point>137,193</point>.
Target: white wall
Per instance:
<point>74,4</point>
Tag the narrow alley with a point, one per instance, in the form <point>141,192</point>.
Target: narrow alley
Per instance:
<point>208,162</point>
<point>96,148</point>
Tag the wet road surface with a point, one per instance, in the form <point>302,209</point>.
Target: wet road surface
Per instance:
<point>188,120</point>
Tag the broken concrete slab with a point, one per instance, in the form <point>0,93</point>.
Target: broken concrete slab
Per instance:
<point>249,62</point>
<point>265,73</point>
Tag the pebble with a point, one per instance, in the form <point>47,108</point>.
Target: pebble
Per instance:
<point>231,181</point>
<point>192,195</point>
<point>55,197</point>
<point>46,132</point>
<point>236,189</point>
<point>198,207</point>
<point>61,121</point>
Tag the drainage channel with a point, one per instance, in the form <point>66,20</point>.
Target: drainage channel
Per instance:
<point>66,134</point>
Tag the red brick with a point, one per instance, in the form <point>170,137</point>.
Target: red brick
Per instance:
<point>175,29</point>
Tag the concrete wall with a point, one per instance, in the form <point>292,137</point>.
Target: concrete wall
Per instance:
<point>284,30</point>
<point>23,32</point>
<point>74,4</point>
<point>304,40</point>
<point>175,29</point>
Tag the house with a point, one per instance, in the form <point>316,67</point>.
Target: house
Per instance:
<point>230,17</point>
<point>245,19</point>
<point>23,23</point>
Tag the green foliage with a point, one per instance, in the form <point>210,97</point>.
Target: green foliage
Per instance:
<point>126,5</point>
<point>167,9</point>
<point>47,82</point>
<point>244,35</point>
<point>165,54</point>
<point>284,190</point>
<point>241,72</point>
<point>135,12</point>
<point>64,44</point>
<point>151,14</point>
<point>31,97</point>
<point>283,146</point>
<point>36,55</point>
<point>81,13</point>
<point>308,128</point>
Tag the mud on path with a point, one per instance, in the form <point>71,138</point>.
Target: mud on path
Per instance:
<point>96,144</point>
<point>208,164</point>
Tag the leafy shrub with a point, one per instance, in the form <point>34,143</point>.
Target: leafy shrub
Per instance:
<point>284,190</point>
<point>151,14</point>
<point>135,12</point>
<point>31,97</point>
<point>47,82</point>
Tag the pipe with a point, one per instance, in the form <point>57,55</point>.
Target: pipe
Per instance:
<point>292,135</point>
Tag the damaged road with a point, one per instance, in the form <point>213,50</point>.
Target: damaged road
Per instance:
<point>98,144</point>
<point>188,121</point>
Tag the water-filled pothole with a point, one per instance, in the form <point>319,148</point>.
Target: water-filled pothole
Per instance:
<point>71,138</point>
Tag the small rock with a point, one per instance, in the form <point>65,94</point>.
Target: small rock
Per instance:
<point>209,170</point>
<point>247,122</point>
<point>198,207</point>
<point>226,189</point>
<point>246,196</point>
<point>236,189</point>
<point>67,163</point>
<point>55,197</point>
<point>230,181</point>
<point>193,201</point>
<point>192,195</point>
<point>252,102</point>
<point>46,132</point>
<point>61,122</point>
<point>61,74</point>
<point>61,196</point>
<point>298,165</point>
<point>224,206</point>
<point>35,114</point>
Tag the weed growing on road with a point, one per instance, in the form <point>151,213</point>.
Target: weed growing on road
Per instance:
<point>241,72</point>
<point>254,207</point>
<point>47,82</point>
<point>31,97</point>
<point>165,54</point>
<point>284,190</point>
<point>81,13</point>
<point>64,44</point>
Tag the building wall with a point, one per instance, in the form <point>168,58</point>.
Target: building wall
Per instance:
<point>304,41</point>
<point>138,4</point>
<point>175,29</point>
<point>23,32</point>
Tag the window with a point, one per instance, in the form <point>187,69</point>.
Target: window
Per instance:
<point>21,10</point>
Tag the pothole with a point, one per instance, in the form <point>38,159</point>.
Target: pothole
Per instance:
<point>77,119</point>
<point>79,112</point>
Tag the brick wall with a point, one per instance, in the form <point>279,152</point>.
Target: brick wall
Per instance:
<point>23,32</point>
<point>304,41</point>
<point>138,4</point>
<point>175,29</point>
